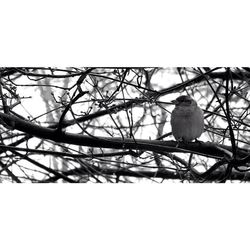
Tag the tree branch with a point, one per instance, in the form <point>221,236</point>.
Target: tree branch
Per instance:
<point>206,149</point>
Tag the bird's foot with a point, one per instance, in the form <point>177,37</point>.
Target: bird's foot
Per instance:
<point>198,141</point>
<point>180,140</point>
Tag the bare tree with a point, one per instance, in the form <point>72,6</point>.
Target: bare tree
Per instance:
<point>112,125</point>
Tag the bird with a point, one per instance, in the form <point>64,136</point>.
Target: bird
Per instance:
<point>187,120</point>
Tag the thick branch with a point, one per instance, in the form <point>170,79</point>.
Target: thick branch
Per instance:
<point>164,174</point>
<point>206,149</point>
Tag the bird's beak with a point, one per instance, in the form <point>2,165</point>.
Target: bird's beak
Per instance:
<point>174,102</point>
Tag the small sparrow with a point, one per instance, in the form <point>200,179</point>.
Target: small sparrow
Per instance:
<point>187,119</point>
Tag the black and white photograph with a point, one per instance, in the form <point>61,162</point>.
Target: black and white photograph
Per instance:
<point>125,125</point>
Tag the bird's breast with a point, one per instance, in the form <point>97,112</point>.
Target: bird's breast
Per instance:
<point>187,123</point>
